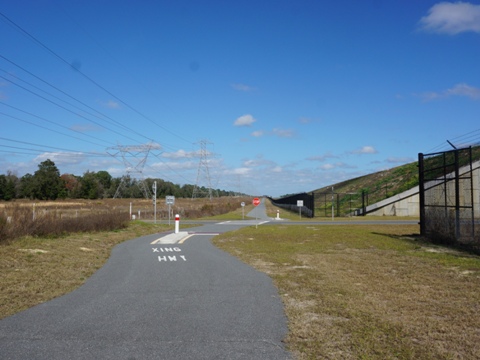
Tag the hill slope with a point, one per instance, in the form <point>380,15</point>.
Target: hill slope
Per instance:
<point>377,186</point>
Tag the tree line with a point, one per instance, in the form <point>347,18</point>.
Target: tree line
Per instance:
<point>47,184</point>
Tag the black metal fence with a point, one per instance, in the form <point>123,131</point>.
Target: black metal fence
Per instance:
<point>330,204</point>
<point>449,197</point>
<point>291,203</point>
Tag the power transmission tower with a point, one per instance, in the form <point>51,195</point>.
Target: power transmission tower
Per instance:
<point>203,173</point>
<point>134,158</point>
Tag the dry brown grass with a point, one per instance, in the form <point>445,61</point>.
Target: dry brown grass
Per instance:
<point>367,292</point>
<point>35,270</point>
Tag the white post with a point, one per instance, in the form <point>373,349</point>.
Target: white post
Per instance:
<point>278,214</point>
<point>130,210</point>
<point>177,224</point>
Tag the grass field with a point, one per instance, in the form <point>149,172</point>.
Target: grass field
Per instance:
<point>367,292</point>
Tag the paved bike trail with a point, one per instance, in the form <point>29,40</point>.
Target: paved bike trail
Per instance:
<point>158,301</point>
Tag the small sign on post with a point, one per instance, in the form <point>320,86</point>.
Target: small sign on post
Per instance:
<point>256,202</point>
<point>243,210</point>
<point>300,205</point>
<point>169,200</point>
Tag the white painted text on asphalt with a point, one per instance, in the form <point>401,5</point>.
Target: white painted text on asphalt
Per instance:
<point>169,257</point>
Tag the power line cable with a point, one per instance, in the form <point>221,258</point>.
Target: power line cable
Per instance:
<point>88,78</point>
<point>46,128</point>
<point>16,152</point>
<point>71,97</point>
<point>168,166</point>
<point>66,109</point>
<point>50,121</point>
<point>53,147</point>
<point>116,123</point>
<point>61,59</point>
<point>75,99</point>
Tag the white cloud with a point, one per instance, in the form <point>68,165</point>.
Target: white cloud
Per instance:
<point>323,157</point>
<point>327,167</point>
<point>241,171</point>
<point>172,165</point>
<point>461,89</point>
<point>452,18</point>
<point>284,133</point>
<point>250,163</point>
<point>180,154</point>
<point>242,87</point>
<point>245,120</point>
<point>61,158</point>
<point>337,165</point>
<point>464,90</point>
<point>365,150</point>
<point>259,161</point>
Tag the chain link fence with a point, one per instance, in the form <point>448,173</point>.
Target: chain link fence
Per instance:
<point>449,197</point>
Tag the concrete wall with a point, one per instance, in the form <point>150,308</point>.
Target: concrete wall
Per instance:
<point>404,204</point>
<point>408,202</point>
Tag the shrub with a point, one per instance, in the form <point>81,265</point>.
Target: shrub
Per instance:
<point>23,222</point>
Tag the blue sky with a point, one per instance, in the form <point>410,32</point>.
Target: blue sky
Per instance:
<point>289,96</point>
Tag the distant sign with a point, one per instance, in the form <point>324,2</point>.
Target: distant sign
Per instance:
<point>299,203</point>
<point>256,201</point>
<point>243,204</point>
<point>170,200</point>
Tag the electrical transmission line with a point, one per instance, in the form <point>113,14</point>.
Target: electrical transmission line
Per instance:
<point>134,158</point>
<point>203,173</point>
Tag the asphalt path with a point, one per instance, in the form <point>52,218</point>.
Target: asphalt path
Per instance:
<point>163,296</point>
